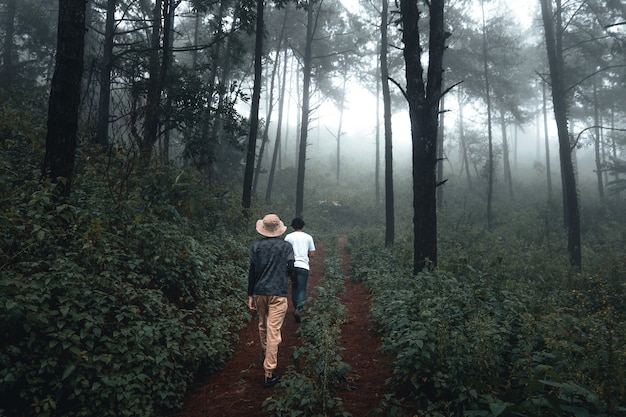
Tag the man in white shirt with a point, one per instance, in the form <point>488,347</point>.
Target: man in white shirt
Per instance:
<point>304,249</point>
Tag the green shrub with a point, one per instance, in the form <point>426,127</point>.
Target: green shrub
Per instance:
<point>308,389</point>
<point>482,341</point>
<point>112,307</point>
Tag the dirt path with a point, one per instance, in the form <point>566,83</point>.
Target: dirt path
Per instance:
<point>237,390</point>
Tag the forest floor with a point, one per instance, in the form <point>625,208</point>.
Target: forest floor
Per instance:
<point>237,390</point>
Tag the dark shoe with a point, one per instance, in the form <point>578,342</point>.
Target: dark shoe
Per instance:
<point>270,382</point>
<point>296,316</point>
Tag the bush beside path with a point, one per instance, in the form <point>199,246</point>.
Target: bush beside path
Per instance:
<point>237,391</point>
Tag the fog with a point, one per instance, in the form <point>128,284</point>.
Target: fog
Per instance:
<point>358,145</point>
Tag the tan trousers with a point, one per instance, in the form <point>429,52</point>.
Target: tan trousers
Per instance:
<point>272,310</point>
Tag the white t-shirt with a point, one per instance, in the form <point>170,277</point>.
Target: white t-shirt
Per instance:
<point>302,244</point>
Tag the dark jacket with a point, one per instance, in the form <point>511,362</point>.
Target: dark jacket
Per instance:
<point>271,264</point>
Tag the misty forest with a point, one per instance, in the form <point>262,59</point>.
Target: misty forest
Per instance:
<point>471,154</point>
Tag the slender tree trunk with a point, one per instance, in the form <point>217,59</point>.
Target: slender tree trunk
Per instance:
<point>384,78</point>
<point>424,99</point>
<point>153,96</point>
<point>546,139</point>
<point>306,97</point>
<point>508,177</point>
<point>6,74</point>
<point>557,71</point>
<point>490,162</point>
<point>279,126</point>
<point>168,57</point>
<point>440,154</point>
<point>516,146</point>
<point>254,109</point>
<point>221,75</point>
<point>466,163</point>
<point>597,142</point>
<point>270,104</point>
<point>340,127</point>
<point>64,100</point>
<point>377,157</point>
<point>270,100</point>
<point>102,134</point>
<point>538,136</point>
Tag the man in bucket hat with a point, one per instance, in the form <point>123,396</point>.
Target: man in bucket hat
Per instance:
<point>271,264</point>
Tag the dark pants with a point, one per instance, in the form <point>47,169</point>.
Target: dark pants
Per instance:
<point>298,288</point>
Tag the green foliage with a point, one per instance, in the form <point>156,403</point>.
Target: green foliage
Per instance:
<point>471,339</point>
<point>22,129</point>
<point>110,307</point>
<point>308,389</point>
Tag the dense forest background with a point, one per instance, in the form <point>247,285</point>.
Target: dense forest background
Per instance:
<point>138,150</point>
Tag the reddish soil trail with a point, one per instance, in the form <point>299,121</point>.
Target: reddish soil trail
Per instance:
<point>237,391</point>
<point>370,369</point>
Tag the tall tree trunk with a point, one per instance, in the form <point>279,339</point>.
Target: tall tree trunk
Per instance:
<point>463,144</point>
<point>168,58</point>
<point>570,201</point>
<point>279,128</point>
<point>104,104</point>
<point>270,101</point>
<point>490,162</point>
<point>384,78</point>
<point>6,74</point>
<point>306,97</point>
<point>64,100</point>
<point>546,138</point>
<point>506,162</point>
<point>516,145</point>
<point>254,109</point>
<point>377,153</point>
<point>153,95</point>
<point>597,142</point>
<point>298,117</point>
<point>340,127</point>
<point>220,75</point>
<point>424,101</point>
<point>440,154</point>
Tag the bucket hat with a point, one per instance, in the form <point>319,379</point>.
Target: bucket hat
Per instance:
<point>270,226</point>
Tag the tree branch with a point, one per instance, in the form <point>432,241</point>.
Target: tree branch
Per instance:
<point>400,87</point>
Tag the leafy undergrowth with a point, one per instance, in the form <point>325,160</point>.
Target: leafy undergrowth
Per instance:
<point>310,387</point>
<point>111,301</point>
<point>476,341</point>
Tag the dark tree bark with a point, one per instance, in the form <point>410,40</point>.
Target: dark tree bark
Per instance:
<point>506,160</point>
<point>440,153</point>
<point>102,134</point>
<point>424,99</point>
<point>153,95</point>
<point>306,98</point>
<point>6,74</point>
<point>546,138</point>
<point>340,127</point>
<point>597,142</point>
<point>158,67</point>
<point>384,75</point>
<point>279,124</point>
<point>168,58</point>
<point>220,75</point>
<point>254,109</point>
<point>377,139</point>
<point>270,103</point>
<point>463,144</point>
<point>552,32</point>
<point>490,162</point>
<point>64,101</point>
